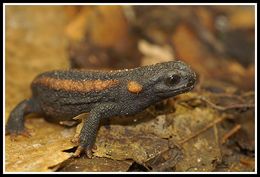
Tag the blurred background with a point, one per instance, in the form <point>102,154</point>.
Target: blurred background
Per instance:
<point>217,41</point>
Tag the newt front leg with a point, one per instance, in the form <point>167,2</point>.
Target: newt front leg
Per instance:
<point>90,127</point>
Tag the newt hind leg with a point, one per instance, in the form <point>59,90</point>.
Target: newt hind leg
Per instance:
<point>15,123</point>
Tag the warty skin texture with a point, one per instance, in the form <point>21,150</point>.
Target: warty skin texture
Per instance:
<point>62,95</point>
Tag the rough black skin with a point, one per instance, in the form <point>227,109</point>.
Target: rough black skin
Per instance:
<point>159,81</point>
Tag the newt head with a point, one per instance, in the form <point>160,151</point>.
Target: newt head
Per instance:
<point>173,78</point>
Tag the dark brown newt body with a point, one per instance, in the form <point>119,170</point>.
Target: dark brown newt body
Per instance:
<point>62,95</point>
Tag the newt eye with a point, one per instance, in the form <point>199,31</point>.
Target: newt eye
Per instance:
<point>173,80</point>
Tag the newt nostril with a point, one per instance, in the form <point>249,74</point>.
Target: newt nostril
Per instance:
<point>191,82</point>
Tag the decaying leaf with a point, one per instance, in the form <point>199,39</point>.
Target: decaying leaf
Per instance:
<point>201,152</point>
<point>95,165</point>
<point>40,151</point>
<point>121,143</point>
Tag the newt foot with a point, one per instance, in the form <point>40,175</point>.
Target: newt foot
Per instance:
<point>86,150</point>
<point>14,135</point>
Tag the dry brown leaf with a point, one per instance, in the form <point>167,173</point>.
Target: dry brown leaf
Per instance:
<point>96,164</point>
<point>40,151</point>
<point>121,143</point>
<point>198,153</point>
<point>161,126</point>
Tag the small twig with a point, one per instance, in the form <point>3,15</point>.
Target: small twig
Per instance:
<point>230,133</point>
<point>203,130</point>
<point>221,108</point>
<point>216,134</point>
<point>228,95</point>
<point>233,106</point>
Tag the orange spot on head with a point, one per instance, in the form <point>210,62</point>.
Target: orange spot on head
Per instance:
<point>134,87</point>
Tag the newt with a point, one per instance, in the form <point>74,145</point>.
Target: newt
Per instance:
<point>62,95</point>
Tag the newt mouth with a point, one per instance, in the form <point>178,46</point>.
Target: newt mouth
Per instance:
<point>178,91</point>
<point>184,89</point>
